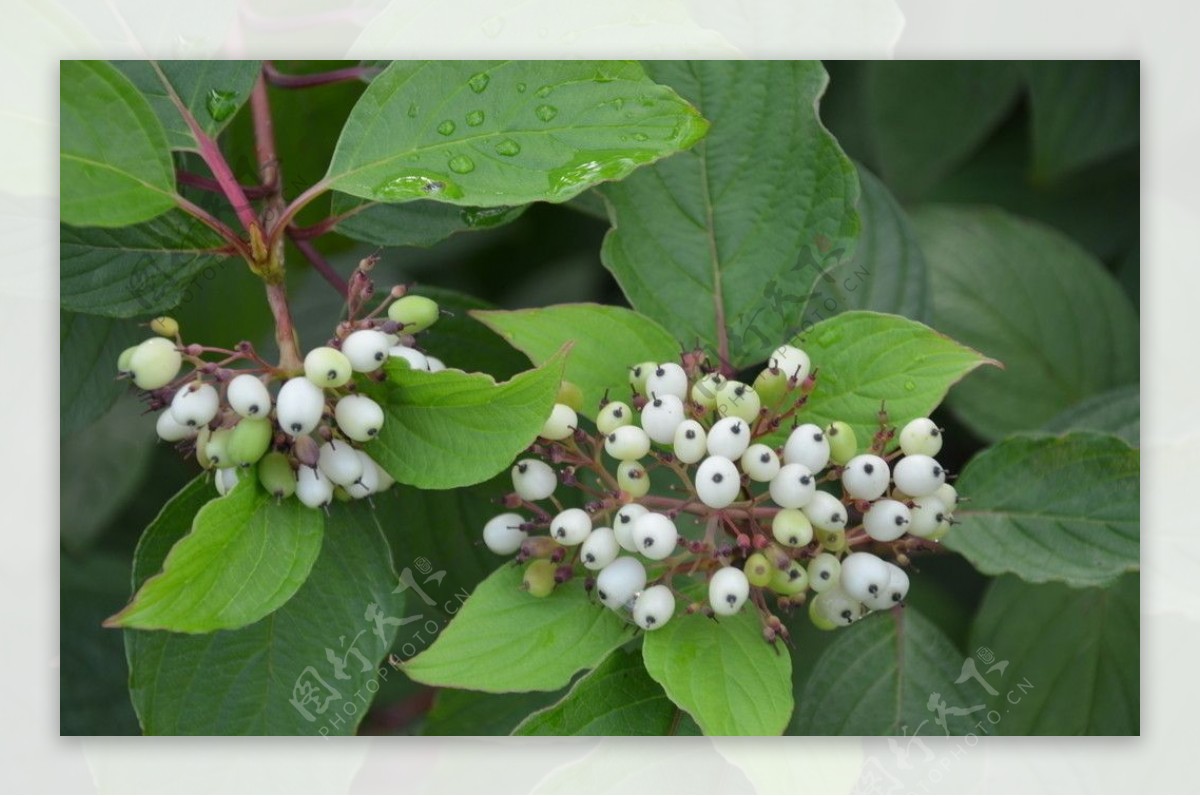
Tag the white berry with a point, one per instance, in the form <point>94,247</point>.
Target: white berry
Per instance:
<point>339,463</point>
<point>359,417</point>
<point>614,415</point>
<point>807,445</point>
<point>792,361</point>
<point>154,363</point>
<point>704,391</point>
<point>623,525</point>
<point>793,487</point>
<point>415,359</point>
<point>627,443</point>
<point>313,488</point>
<point>921,437</point>
<point>570,527</point>
<point>299,406</point>
<point>691,442</point>
<point>226,479</point>
<point>824,571</point>
<point>826,512</point>
<point>661,416</point>
<point>655,536</point>
<point>435,365</point>
<point>667,379</point>
<point>327,367</point>
<point>369,482</point>
<point>367,350</point>
<point>918,476</point>
<point>837,607</point>
<point>171,430</point>
<point>729,437</point>
<point>927,515</point>
<point>887,520</point>
<point>727,591</point>
<point>599,549</point>
<point>717,482</point>
<point>865,477</point>
<point>248,396</point>
<point>533,479</point>
<point>864,576</point>
<point>561,424</point>
<point>620,581</point>
<point>948,495</point>
<point>503,535</point>
<point>654,607</point>
<point>760,463</point>
<point>195,405</point>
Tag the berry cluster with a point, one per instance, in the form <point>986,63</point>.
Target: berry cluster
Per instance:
<point>768,526</point>
<point>303,440</point>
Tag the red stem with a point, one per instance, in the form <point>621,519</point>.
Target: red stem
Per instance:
<point>344,75</point>
<point>211,185</point>
<point>213,223</point>
<point>321,265</point>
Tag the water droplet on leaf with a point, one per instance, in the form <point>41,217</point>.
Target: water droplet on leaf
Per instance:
<point>483,217</point>
<point>446,127</point>
<point>475,118</point>
<point>546,112</point>
<point>520,88</point>
<point>910,385</point>
<point>479,82</point>
<point>220,103</point>
<point>640,137</point>
<point>413,110</point>
<point>416,185</point>
<point>543,92</point>
<point>461,164</point>
<point>508,148</point>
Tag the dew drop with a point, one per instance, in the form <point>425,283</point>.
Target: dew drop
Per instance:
<point>416,185</point>
<point>461,164</point>
<point>479,82</point>
<point>543,92</point>
<point>413,110</point>
<point>640,137</point>
<point>220,103</point>
<point>446,127</point>
<point>520,88</point>
<point>910,385</point>
<point>475,118</point>
<point>508,148</point>
<point>546,112</point>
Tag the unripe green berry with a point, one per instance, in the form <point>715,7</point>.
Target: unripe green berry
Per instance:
<point>843,442</point>
<point>123,361</point>
<point>759,570</point>
<point>771,386</point>
<point>414,313</point>
<point>216,448</point>
<point>792,527</point>
<point>276,475</point>
<point>327,367</point>
<point>202,437</point>
<point>738,400</point>
<point>791,580</point>
<point>638,375</point>
<point>818,618</point>
<point>164,326</point>
<point>833,540</point>
<point>704,391</point>
<point>570,394</point>
<point>251,438</point>
<point>539,577</point>
<point>633,479</point>
<point>154,363</point>
<point>614,415</point>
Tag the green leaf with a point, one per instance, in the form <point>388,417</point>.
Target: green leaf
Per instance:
<point>137,270</point>
<point>1033,299</point>
<point>246,555</point>
<point>880,677</point>
<point>502,639</point>
<point>606,341</point>
<point>100,469</point>
<point>211,91</point>
<point>1083,112</point>
<point>616,698</point>
<point>242,682</point>
<point>928,116</point>
<point>1052,509</point>
<point>722,673</point>
<point>450,429</point>
<point>87,364</point>
<point>868,359</point>
<point>1117,411</point>
<point>421,223</point>
<point>759,209</point>
<point>115,166</point>
<point>1073,657</point>
<point>492,133</point>
<point>887,271</point>
<point>456,712</point>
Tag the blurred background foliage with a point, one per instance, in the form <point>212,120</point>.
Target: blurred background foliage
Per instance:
<point>1056,142</point>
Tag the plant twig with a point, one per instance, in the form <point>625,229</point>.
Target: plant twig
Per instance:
<point>211,185</point>
<point>319,263</point>
<point>345,75</point>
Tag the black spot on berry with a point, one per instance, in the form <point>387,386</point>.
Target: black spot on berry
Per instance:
<point>624,518</point>
<point>718,478</point>
<point>836,517</point>
<point>651,620</point>
<point>793,573</point>
<point>847,614</point>
<point>600,593</point>
<point>900,520</point>
<point>895,596</point>
<point>647,543</point>
<point>818,436</point>
<point>690,433</point>
<point>765,458</point>
<point>560,532</point>
<point>522,467</point>
<point>824,574</point>
<point>331,375</point>
<point>736,428</point>
<point>253,409</point>
<point>868,468</point>
<point>378,356</point>
<point>612,437</point>
<point>660,372</point>
<point>618,412</point>
<point>589,558</point>
<point>806,480</point>
<point>873,589</point>
<point>296,427</point>
<point>936,471</point>
<point>731,598</point>
<point>657,403</point>
<point>372,432</point>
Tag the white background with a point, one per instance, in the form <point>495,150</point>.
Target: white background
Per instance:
<point>34,35</point>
